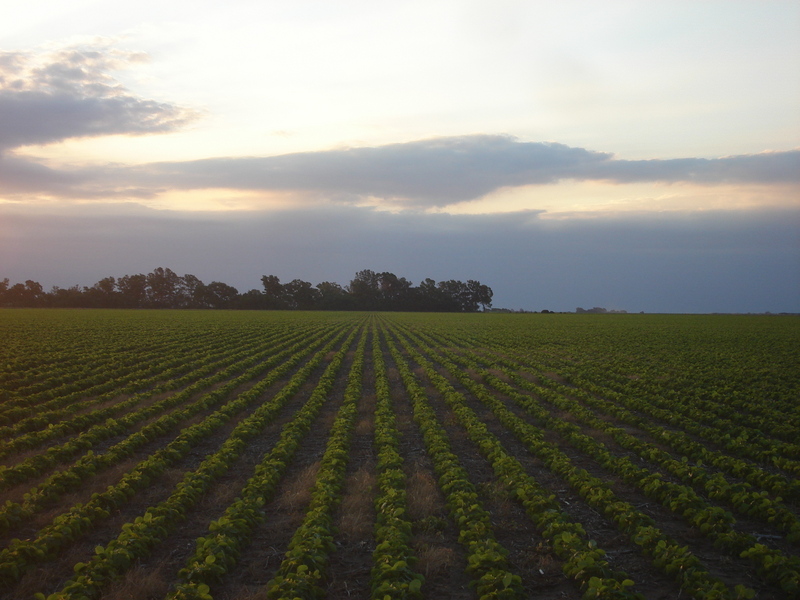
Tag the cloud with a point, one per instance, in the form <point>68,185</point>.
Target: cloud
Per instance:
<point>72,92</point>
<point>726,261</point>
<point>47,97</point>
<point>421,174</point>
<point>435,172</point>
<point>443,171</point>
<point>23,176</point>
<point>766,167</point>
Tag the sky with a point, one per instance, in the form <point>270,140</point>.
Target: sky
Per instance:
<point>639,156</point>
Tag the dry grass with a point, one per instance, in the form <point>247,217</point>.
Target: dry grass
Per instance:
<point>19,457</point>
<point>46,516</point>
<point>327,421</point>
<point>500,375</point>
<point>139,583</point>
<point>172,477</point>
<point>224,495</point>
<point>434,560</point>
<point>472,374</point>
<point>365,425</point>
<point>404,421</point>
<point>489,417</point>
<point>564,415</point>
<point>48,577</point>
<point>96,484</point>
<point>357,513</point>
<point>366,416</point>
<point>423,496</point>
<point>601,436</point>
<point>555,377</point>
<point>259,594</point>
<point>498,497</point>
<point>297,493</point>
<point>541,559</point>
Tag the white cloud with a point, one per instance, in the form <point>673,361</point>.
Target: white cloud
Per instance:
<point>71,92</point>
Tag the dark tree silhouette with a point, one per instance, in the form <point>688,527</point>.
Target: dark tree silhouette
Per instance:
<point>163,288</point>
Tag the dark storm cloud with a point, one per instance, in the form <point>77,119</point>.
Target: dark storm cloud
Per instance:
<point>28,179</point>
<point>726,261</point>
<point>444,171</point>
<point>71,93</point>
<point>20,176</point>
<point>764,168</point>
<point>429,172</point>
<point>426,173</point>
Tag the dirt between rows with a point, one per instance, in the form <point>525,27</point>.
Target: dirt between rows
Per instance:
<point>624,554</point>
<point>153,576</point>
<point>440,557</point>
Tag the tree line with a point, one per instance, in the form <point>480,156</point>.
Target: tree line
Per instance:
<point>163,288</point>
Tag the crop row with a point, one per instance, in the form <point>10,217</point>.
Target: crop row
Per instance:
<point>90,464</point>
<point>393,575</point>
<point>564,422</point>
<point>674,411</point>
<point>97,376</point>
<point>67,527</point>
<point>161,382</point>
<point>639,412</point>
<point>711,521</point>
<point>486,558</point>
<point>740,496</point>
<point>219,551</point>
<point>204,375</point>
<point>138,538</point>
<point>304,564</point>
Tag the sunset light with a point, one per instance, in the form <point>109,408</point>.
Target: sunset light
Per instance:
<point>389,114</point>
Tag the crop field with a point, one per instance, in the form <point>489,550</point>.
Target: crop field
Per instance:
<point>260,455</point>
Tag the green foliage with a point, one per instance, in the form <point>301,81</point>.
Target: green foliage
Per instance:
<point>696,414</point>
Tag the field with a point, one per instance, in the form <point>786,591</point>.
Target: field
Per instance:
<point>255,455</point>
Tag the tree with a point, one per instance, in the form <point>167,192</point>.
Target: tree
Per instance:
<point>163,288</point>
<point>29,294</point>
<point>220,295</point>
<point>34,292</point>
<point>427,296</point>
<point>456,296</point>
<point>274,294</point>
<point>102,294</point>
<point>394,292</point>
<point>251,300</point>
<point>364,288</point>
<point>71,297</point>
<point>300,295</point>
<point>480,294</point>
<point>133,289</point>
<point>332,296</point>
<point>191,292</point>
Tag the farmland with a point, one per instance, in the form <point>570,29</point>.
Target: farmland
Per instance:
<point>255,455</point>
